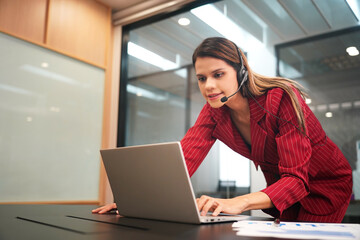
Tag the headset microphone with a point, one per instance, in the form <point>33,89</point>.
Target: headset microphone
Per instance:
<point>224,99</point>
<point>242,72</point>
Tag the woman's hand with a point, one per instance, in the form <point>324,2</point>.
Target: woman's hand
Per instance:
<point>105,209</point>
<point>217,205</point>
<point>237,205</point>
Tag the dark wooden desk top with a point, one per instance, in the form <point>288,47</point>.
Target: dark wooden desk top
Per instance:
<point>77,222</point>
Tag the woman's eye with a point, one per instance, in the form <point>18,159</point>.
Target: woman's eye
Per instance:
<point>218,75</point>
<point>201,79</point>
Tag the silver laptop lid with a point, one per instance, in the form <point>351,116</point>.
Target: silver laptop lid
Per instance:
<point>151,181</point>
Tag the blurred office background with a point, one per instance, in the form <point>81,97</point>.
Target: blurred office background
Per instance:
<point>107,73</point>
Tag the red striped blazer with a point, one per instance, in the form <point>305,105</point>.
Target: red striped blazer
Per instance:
<point>307,170</point>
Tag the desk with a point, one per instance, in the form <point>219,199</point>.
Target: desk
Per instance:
<point>69,222</point>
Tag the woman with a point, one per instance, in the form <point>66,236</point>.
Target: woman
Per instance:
<point>266,120</point>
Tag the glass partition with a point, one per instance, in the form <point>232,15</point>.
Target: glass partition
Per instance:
<point>50,125</point>
<point>155,112</point>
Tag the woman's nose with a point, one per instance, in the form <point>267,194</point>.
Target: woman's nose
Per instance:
<point>210,83</point>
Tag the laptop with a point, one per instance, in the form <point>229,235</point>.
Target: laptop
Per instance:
<point>152,182</point>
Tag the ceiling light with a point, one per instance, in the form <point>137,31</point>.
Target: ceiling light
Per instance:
<point>308,100</point>
<point>346,105</point>
<point>17,90</point>
<point>150,57</point>
<point>48,74</point>
<point>44,65</point>
<point>141,92</point>
<point>352,51</point>
<point>357,104</point>
<point>321,108</point>
<point>334,106</point>
<point>54,109</point>
<point>184,21</point>
<point>226,27</point>
<point>354,6</point>
<point>328,114</point>
<point>218,21</point>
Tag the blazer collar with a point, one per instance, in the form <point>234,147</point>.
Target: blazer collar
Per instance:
<point>256,111</point>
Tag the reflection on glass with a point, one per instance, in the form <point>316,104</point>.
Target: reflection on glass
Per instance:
<point>154,115</point>
<point>331,76</point>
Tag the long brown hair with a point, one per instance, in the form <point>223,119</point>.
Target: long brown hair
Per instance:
<point>257,84</point>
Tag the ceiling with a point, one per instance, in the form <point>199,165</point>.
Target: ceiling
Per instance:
<point>270,22</point>
<point>287,19</point>
<point>117,5</point>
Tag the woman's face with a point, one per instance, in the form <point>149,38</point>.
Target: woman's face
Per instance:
<point>216,79</point>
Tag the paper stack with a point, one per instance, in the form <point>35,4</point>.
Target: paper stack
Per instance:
<point>297,230</point>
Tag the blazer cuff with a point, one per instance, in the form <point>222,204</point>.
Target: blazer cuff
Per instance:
<point>286,192</point>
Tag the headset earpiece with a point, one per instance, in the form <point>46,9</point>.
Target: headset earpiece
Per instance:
<point>238,77</point>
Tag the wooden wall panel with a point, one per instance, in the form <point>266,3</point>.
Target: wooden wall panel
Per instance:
<point>81,28</point>
<point>23,18</point>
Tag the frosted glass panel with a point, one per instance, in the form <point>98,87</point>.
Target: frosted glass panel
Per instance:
<point>50,124</point>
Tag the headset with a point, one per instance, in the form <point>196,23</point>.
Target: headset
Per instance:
<point>241,74</point>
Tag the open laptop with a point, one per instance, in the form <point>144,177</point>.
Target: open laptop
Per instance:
<point>152,182</point>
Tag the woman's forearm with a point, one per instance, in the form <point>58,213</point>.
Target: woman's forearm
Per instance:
<point>256,200</point>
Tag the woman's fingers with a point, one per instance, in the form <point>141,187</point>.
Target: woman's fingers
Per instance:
<point>201,201</point>
<point>206,204</point>
<point>104,209</point>
<point>218,205</point>
<point>97,210</point>
<point>217,210</point>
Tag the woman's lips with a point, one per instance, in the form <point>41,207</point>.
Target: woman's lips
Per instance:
<point>214,96</point>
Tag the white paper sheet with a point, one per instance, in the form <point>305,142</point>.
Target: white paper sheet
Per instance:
<point>298,230</point>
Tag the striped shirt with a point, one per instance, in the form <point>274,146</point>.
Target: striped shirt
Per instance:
<point>306,176</point>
